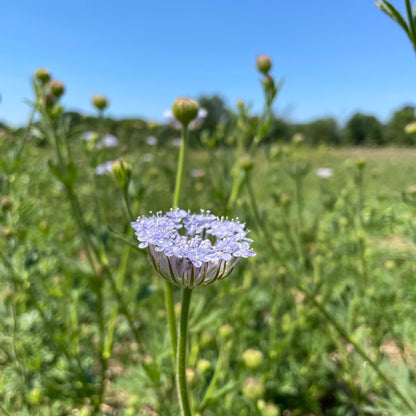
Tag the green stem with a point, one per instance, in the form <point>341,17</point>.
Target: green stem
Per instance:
<point>181,355</point>
<point>179,171</point>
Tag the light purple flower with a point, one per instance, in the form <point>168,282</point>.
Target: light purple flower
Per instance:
<point>192,250</point>
<point>105,167</point>
<point>107,141</point>
<point>151,141</point>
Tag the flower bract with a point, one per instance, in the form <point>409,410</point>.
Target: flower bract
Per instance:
<point>192,250</point>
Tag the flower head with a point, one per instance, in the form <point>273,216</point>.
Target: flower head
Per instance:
<point>192,250</point>
<point>324,173</point>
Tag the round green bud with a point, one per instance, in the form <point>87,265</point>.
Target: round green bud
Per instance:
<point>122,172</point>
<point>185,110</point>
<point>203,366</point>
<point>246,162</point>
<point>191,377</point>
<point>285,199</point>
<point>56,87</point>
<point>226,330</point>
<point>207,338</point>
<point>99,101</point>
<point>360,163</point>
<point>240,104</point>
<point>6,203</point>
<point>270,409</point>
<point>252,358</point>
<point>298,138</point>
<point>42,75</point>
<point>263,63</point>
<point>410,128</point>
<point>411,190</point>
<point>253,389</point>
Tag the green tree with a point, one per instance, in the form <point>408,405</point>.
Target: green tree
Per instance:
<point>363,129</point>
<point>395,133</point>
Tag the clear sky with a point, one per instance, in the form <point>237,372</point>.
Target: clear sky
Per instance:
<point>337,57</point>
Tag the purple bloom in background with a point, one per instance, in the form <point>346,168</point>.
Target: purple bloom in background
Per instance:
<point>151,141</point>
<point>107,141</point>
<point>192,250</point>
<point>104,167</point>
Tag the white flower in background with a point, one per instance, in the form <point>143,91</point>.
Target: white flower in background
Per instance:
<point>104,167</point>
<point>147,157</point>
<point>197,173</point>
<point>177,142</point>
<point>324,173</point>
<point>107,141</point>
<point>194,124</point>
<point>151,141</point>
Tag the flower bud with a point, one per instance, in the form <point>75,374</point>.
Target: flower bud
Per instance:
<point>252,358</point>
<point>122,172</point>
<point>360,163</point>
<point>185,110</point>
<point>6,203</point>
<point>203,366</point>
<point>42,75</point>
<point>264,64</point>
<point>50,100</point>
<point>56,87</point>
<point>270,409</point>
<point>191,377</point>
<point>246,162</point>
<point>410,128</point>
<point>253,389</point>
<point>240,104</point>
<point>226,330</point>
<point>285,199</point>
<point>207,338</point>
<point>99,101</point>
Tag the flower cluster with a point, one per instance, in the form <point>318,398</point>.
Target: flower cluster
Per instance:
<point>192,250</point>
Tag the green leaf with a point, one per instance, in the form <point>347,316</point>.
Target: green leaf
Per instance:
<point>71,170</point>
<point>391,11</point>
<point>55,171</point>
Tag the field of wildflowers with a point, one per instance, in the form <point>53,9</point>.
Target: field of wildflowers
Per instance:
<point>153,277</point>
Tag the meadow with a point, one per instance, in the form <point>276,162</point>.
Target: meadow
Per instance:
<point>319,322</point>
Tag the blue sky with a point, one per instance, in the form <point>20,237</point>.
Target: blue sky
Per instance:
<point>337,57</point>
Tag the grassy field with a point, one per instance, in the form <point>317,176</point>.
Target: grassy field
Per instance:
<point>319,322</point>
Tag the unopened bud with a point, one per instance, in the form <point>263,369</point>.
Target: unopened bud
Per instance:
<point>246,162</point>
<point>6,203</point>
<point>270,409</point>
<point>99,101</point>
<point>264,64</point>
<point>207,338</point>
<point>268,82</point>
<point>185,110</point>
<point>285,199</point>
<point>252,358</point>
<point>122,172</point>
<point>410,128</point>
<point>253,389</point>
<point>203,366</point>
<point>360,163</point>
<point>240,104</point>
<point>226,330</point>
<point>42,75</point>
<point>191,377</point>
<point>50,100</point>
<point>56,87</point>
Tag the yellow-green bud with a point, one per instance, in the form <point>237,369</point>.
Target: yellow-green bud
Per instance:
<point>410,128</point>
<point>263,63</point>
<point>42,75</point>
<point>203,366</point>
<point>122,172</point>
<point>285,199</point>
<point>252,358</point>
<point>191,377</point>
<point>240,104</point>
<point>99,101</point>
<point>6,203</point>
<point>253,389</point>
<point>246,162</point>
<point>185,110</point>
<point>270,410</point>
<point>56,87</point>
<point>298,138</point>
<point>360,163</point>
<point>207,338</point>
<point>389,264</point>
<point>226,330</point>
<point>411,190</point>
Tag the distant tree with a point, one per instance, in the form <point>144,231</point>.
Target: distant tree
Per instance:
<point>217,113</point>
<point>324,130</point>
<point>395,133</point>
<point>363,129</point>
